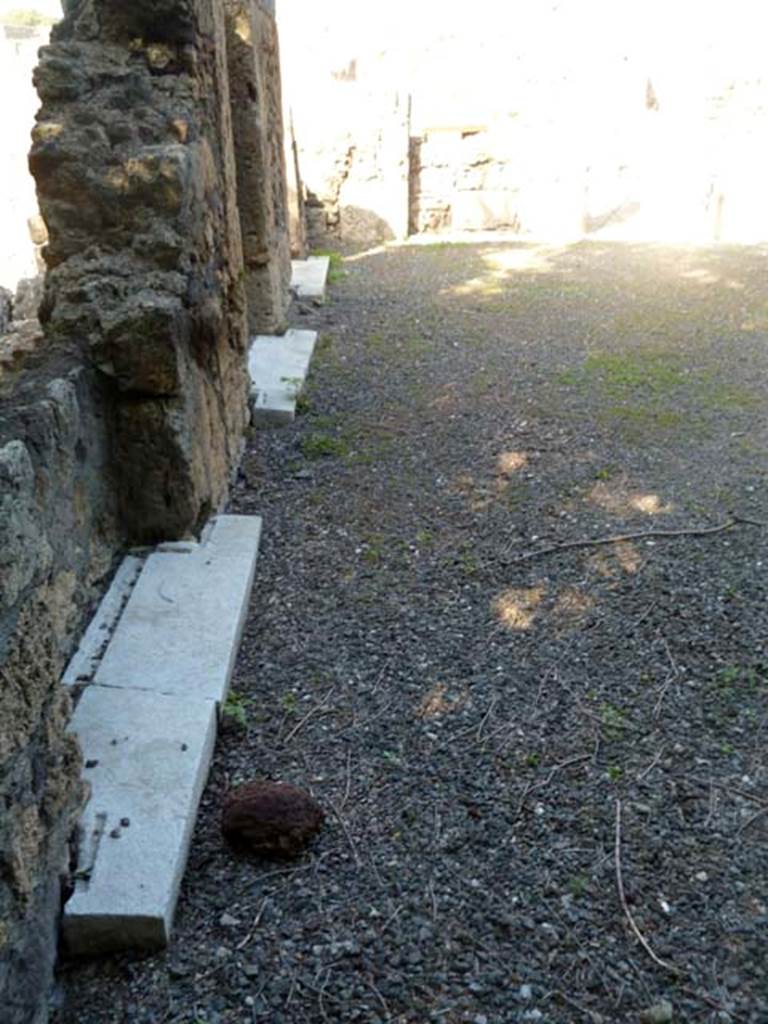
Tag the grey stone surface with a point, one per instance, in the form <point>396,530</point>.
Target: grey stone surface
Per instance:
<point>29,295</point>
<point>309,277</point>
<point>24,548</point>
<point>57,537</point>
<point>6,309</point>
<point>181,627</point>
<point>149,755</point>
<point>278,368</point>
<point>85,660</point>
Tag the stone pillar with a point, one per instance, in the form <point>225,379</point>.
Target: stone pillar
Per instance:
<point>254,78</point>
<point>134,162</point>
<point>297,221</point>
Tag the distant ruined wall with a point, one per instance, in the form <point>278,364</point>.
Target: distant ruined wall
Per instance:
<point>122,414</point>
<point>353,160</point>
<point>23,231</point>
<point>297,213</point>
<point>524,119</point>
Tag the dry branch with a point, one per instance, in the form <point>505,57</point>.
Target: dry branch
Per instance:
<point>694,531</point>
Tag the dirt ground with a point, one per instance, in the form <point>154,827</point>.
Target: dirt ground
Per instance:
<point>543,761</point>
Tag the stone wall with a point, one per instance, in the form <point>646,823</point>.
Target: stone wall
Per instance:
<point>59,531</point>
<point>135,170</point>
<point>254,76</point>
<point>122,416</point>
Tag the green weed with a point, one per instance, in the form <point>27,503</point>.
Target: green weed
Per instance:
<point>235,708</point>
<point>613,720</point>
<point>321,446</point>
<point>289,703</point>
<point>336,265</point>
<point>304,404</point>
<point>578,885</point>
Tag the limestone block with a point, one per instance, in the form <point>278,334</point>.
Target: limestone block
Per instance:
<point>149,755</point>
<point>83,664</point>
<point>309,277</point>
<point>180,630</point>
<point>278,367</point>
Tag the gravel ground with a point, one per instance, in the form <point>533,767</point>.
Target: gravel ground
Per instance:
<point>499,728</point>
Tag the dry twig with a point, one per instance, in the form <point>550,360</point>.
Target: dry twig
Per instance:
<point>348,784</point>
<point>312,711</point>
<point>652,765</point>
<point>755,817</point>
<point>346,832</point>
<point>623,899</point>
<point>384,1005</point>
<point>743,793</point>
<point>694,531</point>
<point>530,788</point>
<point>255,925</point>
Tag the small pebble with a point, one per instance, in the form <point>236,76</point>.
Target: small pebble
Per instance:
<point>659,1013</point>
<point>227,921</point>
<point>179,970</point>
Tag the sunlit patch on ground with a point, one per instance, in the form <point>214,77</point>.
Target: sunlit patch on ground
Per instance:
<point>446,399</point>
<point>616,497</point>
<point>537,259</point>
<point>502,264</point>
<point>622,557</point>
<point>517,607</point>
<point>572,606</point>
<point>706,278</point>
<point>482,493</point>
<point>438,701</point>
<point>511,462</point>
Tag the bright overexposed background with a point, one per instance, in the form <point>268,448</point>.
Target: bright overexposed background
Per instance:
<point>566,83</point>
